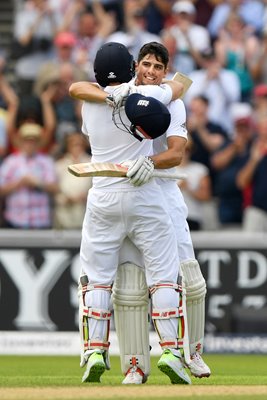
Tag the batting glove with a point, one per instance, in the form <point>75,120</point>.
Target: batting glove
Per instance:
<point>120,94</point>
<point>140,171</point>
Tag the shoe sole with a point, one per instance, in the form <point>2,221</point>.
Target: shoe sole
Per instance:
<point>201,376</point>
<point>174,377</point>
<point>95,373</point>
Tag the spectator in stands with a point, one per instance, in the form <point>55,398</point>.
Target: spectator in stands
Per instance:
<point>158,14</point>
<point>191,39</point>
<point>66,109</point>
<point>206,135</point>
<point>251,11</point>
<point>228,161</point>
<point>92,31</point>
<point>196,188</point>
<point>135,33</point>
<point>259,62</point>
<point>219,85</point>
<point>33,109</point>
<point>35,27</point>
<point>204,10</point>
<point>70,201</point>
<point>252,178</point>
<point>260,100</point>
<point>8,103</point>
<point>236,50</point>
<point>27,182</point>
<point>64,44</point>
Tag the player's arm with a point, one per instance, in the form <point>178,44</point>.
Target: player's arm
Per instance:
<point>172,157</point>
<point>87,91</point>
<point>91,92</point>
<point>141,171</point>
<point>176,136</point>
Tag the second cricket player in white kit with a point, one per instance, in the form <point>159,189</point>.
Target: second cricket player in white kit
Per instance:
<point>116,209</point>
<point>151,68</point>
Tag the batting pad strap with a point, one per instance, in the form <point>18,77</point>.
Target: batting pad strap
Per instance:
<point>167,285</point>
<point>89,287</point>
<point>96,313</point>
<point>96,344</point>
<point>166,313</point>
<point>172,343</point>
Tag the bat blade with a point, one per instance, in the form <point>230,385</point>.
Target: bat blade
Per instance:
<point>114,170</point>
<point>184,79</point>
<point>97,169</point>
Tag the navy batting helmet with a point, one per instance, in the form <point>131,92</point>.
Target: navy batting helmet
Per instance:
<point>149,117</point>
<point>113,63</point>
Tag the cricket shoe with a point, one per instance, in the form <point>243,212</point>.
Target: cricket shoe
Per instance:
<point>95,367</point>
<point>173,367</point>
<point>134,376</point>
<point>198,367</point>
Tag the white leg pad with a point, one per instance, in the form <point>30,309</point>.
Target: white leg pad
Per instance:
<point>169,318</point>
<point>130,298</point>
<point>195,287</point>
<point>94,319</point>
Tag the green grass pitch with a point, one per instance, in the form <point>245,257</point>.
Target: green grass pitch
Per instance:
<point>43,377</point>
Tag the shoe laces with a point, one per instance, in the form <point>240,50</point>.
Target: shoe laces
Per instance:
<point>134,370</point>
<point>197,358</point>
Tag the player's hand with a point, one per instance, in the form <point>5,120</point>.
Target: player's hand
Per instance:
<point>120,94</point>
<point>140,171</point>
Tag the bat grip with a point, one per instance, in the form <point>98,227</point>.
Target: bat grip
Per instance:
<point>171,175</point>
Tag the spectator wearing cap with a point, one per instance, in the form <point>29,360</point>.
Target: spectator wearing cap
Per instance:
<point>219,85</point>
<point>228,160</point>
<point>27,182</point>
<point>252,180</point>
<point>191,38</point>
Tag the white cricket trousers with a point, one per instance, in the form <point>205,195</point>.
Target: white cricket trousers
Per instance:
<point>138,213</point>
<point>177,209</point>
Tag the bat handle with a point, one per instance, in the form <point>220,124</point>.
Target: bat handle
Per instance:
<point>166,175</point>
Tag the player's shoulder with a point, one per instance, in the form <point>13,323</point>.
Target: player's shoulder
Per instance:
<point>177,105</point>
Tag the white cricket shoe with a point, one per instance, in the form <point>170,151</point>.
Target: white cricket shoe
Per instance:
<point>172,366</point>
<point>134,376</point>
<point>198,367</point>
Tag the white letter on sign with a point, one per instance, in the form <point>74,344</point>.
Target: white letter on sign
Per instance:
<point>34,285</point>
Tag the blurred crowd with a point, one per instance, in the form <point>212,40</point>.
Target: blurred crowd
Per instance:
<point>220,45</point>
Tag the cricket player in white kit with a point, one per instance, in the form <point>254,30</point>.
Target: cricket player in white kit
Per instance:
<point>117,209</point>
<point>151,69</point>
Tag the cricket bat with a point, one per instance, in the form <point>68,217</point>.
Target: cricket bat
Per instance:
<point>107,169</point>
<point>184,79</point>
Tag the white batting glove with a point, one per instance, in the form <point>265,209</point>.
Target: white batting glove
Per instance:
<point>120,94</point>
<point>140,171</point>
